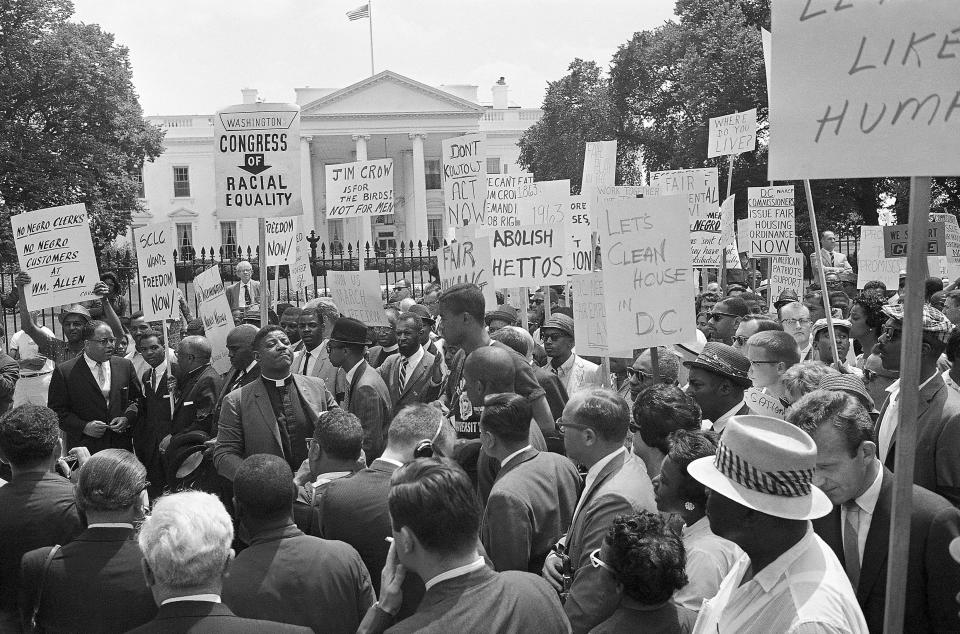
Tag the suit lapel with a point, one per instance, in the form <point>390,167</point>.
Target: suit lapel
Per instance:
<point>267,417</point>
<point>415,375</point>
<point>87,375</point>
<point>927,394</point>
<point>526,456</point>
<point>118,381</point>
<point>313,401</point>
<point>356,377</point>
<point>875,550</point>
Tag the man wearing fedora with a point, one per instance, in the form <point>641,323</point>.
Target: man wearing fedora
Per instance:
<point>762,498</point>
<point>718,377</point>
<point>367,396</point>
<point>574,371</point>
<point>274,414</point>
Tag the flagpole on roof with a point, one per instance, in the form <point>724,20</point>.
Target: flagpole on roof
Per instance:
<point>370,19</point>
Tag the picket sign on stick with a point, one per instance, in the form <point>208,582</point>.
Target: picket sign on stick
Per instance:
<point>723,247</point>
<point>822,276</point>
<point>265,282</point>
<point>546,302</point>
<point>524,317</point>
<point>166,343</point>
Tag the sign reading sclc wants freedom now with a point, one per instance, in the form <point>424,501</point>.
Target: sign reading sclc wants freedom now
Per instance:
<point>158,285</point>
<point>257,160</point>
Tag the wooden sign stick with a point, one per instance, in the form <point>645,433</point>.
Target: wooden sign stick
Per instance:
<point>264,277</point>
<point>824,293</point>
<point>166,345</point>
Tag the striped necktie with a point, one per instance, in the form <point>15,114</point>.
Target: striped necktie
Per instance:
<point>403,372</point>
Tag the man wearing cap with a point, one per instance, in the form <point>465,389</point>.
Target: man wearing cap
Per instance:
<point>504,315</point>
<point>412,374</point>
<point>822,346</point>
<point>786,296</point>
<point>366,394</point>
<point>575,372</point>
<point>848,283</point>
<point>274,414</point>
<point>315,326</point>
<point>762,498</point>
<point>245,292</point>
<point>718,377</point>
<point>724,319</point>
<point>833,260</point>
<point>858,527</point>
<point>428,338</point>
<point>937,466</point>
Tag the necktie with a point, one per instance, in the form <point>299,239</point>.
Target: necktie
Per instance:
<point>830,253</point>
<point>153,380</point>
<point>290,421</point>
<point>306,361</point>
<point>236,381</point>
<point>851,546</point>
<point>555,370</point>
<point>403,373</point>
<point>246,294</point>
<point>101,375</point>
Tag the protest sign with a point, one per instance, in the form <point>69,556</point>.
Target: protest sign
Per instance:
<point>543,202</point>
<point>590,314</point>
<point>774,229</point>
<point>300,276</point>
<point>464,179</point>
<point>357,294</point>
<point>646,271</point>
<point>500,209</point>
<point>950,262</point>
<point>733,134</point>
<point>864,89</point>
<point>700,191</point>
<point>468,260</point>
<point>361,188</point>
<point>54,246</point>
<point>599,166</point>
<point>580,253</point>
<point>528,255</point>
<point>214,311</point>
<point>786,272</point>
<point>281,240</point>
<point>764,404</point>
<point>895,240</point>
<point>257,160</point>
<point>872,263</point>
<point>158,284</point>
<point>744,226</point>
<point>766,45</point>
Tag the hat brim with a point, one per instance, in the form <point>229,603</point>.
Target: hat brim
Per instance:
<point>190,464</point>
<point>744,381</point>
<point>365,342</point>
<point>807,507</point>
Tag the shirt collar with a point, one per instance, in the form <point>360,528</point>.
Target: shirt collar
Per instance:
<point>392,348</point>
<point>319,349</point>
<point>594,471</point>
<point>700,527</point>
<point>395,463</point>
<point>353,371</point>
<point>868,499</point>
<point>206,598</point>
<point>91,363</point>
<point>249,367</point>
<point>456,572</point>
<point>767,578</point>
<point>111,525</point>
<point>721,422</point>
<point>503,463</point>
<point>160,369</point>
<point>894,388</point>
<point>277,382</point>
<point>414,359</point>
<point>567,365</point>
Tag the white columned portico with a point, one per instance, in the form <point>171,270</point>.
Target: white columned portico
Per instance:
<point>306,186</point>
<point>358,230</point>
<point>417,220</point>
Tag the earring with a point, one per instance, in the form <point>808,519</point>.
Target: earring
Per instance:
<point>689,506</point>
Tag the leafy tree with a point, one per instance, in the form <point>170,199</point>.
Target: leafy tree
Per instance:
<point>71,126</point>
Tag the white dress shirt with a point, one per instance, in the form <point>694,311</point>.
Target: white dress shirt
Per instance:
<point>456,572</point>
<point>314,355</point>
<point>105,386</point>
<point>352,371</point>
<point>891,417</point>
<point>709,559</point>
<point>242,296</point>
<point>721,421</point>
<point>950,382</point>
<point>206,598</point>
<point>868,504</point>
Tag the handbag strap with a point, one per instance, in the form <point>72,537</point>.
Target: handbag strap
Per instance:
<point>43,578</point>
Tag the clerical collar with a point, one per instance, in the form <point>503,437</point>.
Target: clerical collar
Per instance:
<point>277,382</point>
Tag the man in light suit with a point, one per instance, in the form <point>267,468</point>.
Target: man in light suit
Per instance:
<point>275,414</point>
<point>833,261</point>
<point>937,466</point>
<point>594,427</point>
<point>246,292</point>
<point>575,372</point>
<point>315,325</point>
<point>366,395</point>
<point>96,395</point>
<point>861,490</point>
<point>534,494</point>
<point>411,374</point>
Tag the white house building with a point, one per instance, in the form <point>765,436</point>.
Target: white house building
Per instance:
<point>384,116</point>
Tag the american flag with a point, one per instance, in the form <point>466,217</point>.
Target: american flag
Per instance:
<point>359,13</point>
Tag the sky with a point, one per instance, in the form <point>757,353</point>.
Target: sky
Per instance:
<point>194,56</point>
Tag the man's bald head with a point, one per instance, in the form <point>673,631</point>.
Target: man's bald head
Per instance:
<point>489,370</point>
<point>240,345</point>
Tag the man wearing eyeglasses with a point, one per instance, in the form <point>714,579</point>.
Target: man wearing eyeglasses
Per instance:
<point>724,319</point>
<point>641,372</point>
<point>96,395</point>
<point>795,319</point>
<point>574,371</point>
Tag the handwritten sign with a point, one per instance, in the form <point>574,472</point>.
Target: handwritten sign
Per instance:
<point>590,315</point>
<point>772,213</point>
<point>733,134</point>
<point>646,271</point>
<point>300,276</point>
<point>361,188</point>
<point>763,404</point>
<point>699,189</point>
<point>580,252</point>
<point>257,160</point>
<point>468,260</point>
<point>543,202</point>
<point>786,272</point>
<point>599,168</point>
<point>357,294</point>
<point>500,209</point>
<point>464,179</point>
<point>528,255</point>
<point>896,239</point>
<point>872,263</point>
<point>158,285</point>
<point>54,246</point>
<point>214,311</point>
<point>864,89</point>
<point>950,262</point>
<point>281,240</point>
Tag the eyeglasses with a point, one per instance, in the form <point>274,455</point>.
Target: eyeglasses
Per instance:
<point>641,374</point>
<point>792,323</point>
<point>106,341</point>
<point>740,340</point>
<point>552,337</point>
<point>561,424</point>
<point>599,563</point>
<point>717,316</point>
<point>760,362</point>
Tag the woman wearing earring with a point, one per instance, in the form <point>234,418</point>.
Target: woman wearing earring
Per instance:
<point>709,557</point>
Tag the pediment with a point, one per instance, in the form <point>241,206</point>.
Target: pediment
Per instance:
<point>392,94</point>
<point>183,212</point>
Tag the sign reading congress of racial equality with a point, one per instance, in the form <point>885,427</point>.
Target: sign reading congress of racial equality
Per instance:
<point>158,284</point>
<point>500,209</point>
<point>361,188</point>
<point>700,191</point>
<point>580,252</point>
<point>281,240</point>
<point>257,160</point>
<point>467,260</point>
<point>646,271</point>
<point>464,179</point>
<point>357,294</point>
<point>54,246</point>
<point>773,231</point>
<point>527,255</point>
<point>733,134</point>
<point>214,311</point>
<point>864,89</point>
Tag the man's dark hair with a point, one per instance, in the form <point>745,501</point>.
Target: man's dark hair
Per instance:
<point>283,307</point>
<point>839,295</point>
<point>512,339</point>
<point>953,344</point>
<point>875,285</point>
<point>659,410</point>
<point>507,416</point>
<point>339,434</point>
<point>465,298</point>
<point>149,334</point>
<point>434,498</point>
<point>706,296</point>
<point>840,409</point>
<point>28,434</point>
<point>734,306</point>
<point>648,557</point>
<point>264,487</point>
<point>930,286</point>
<point>415,318</point>
<point>136,315</point>
<point>687,445</point>
<point>604,411</point>
<point>90,329</point>
<point>263,332</point>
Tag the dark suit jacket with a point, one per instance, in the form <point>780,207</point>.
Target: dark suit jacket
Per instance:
<point>376,355</point>
<point>531,502</point>
<point>233,293</point>
<point>556,394</point>
<point>368,399</point>
<point>422,386</point>
<point>248,425</point>
<point>210,618</point>
<point>227,380</point>
<point>289,577</point>
<point>197,401</point>
<point>152,427</point>
<point>937,466</point>
<point>9,374</point>
<point>76,398</point>
<point>94,584</point>
<point>933,578</point>
<point>334,377</point>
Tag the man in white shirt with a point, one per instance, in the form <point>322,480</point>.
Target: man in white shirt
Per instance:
<point>246,292</point>
<point>35,369</point>
<point>315,324</point>
<point>575,372</point>
<point>762,498</point>
<point>833,260</point>
<point>858,528</point>
<point>795,319</point>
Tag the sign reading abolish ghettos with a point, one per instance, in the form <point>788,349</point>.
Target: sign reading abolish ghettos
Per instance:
<point>528,255</point>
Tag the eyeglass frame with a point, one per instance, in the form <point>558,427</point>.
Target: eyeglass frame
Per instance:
<point>596,562</point>
<point>559,425</point>
<point>805,320</point>
<point>712,315</point>
<point>646,376</point>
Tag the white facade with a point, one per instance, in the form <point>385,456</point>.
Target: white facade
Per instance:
<point>384,116</point>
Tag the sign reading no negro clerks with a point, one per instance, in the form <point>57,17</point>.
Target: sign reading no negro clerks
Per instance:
<point>257,160</point>
<point>54,247</point>
<point>361,188</point>
<point>158,286</point>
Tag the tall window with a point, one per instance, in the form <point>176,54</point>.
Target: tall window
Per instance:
<point>335,232</point>
<point>435,231</point>
<point>432,171</point>
<point>185,241</point>
<point>138,178</point>
<point>228,238</point>
<point>181,182</point>
<point>493,165</point>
